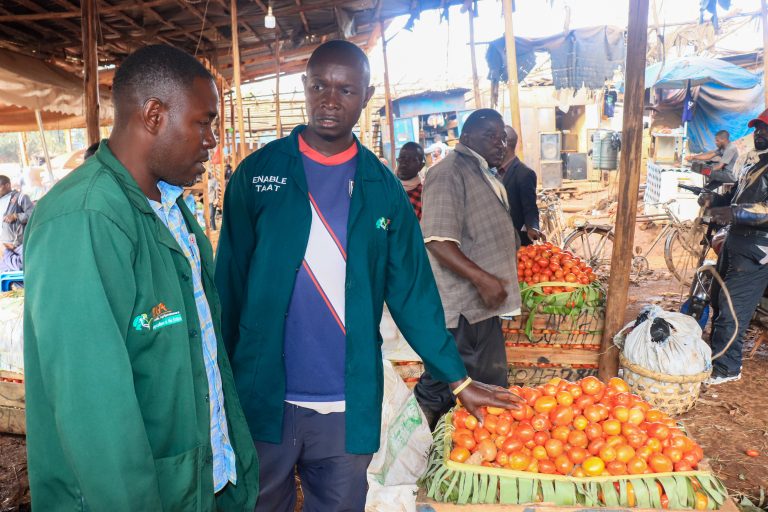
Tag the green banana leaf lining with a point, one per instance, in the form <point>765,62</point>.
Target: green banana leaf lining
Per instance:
<point>452,482</point>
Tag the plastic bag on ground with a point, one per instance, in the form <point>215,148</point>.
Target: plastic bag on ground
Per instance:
<point>402,456</point>
<point>12,333</point>
<point>665,342</point>
<point>394,347</point>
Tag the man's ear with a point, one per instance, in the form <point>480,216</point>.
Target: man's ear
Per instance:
<point>368,95</point>
<point>153,115</point>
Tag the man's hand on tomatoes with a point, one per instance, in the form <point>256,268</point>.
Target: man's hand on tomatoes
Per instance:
<point>478,394</point>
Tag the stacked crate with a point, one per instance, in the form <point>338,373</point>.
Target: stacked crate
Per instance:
<point>565,346</point>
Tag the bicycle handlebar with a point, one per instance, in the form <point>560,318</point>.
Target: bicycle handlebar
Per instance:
<point>695,190</point>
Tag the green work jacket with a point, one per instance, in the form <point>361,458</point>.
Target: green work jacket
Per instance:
<point>116,390</point>
<point>263,239</point>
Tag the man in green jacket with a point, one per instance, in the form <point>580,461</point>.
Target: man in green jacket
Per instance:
<point>131,403</point>
<point>316,236</point>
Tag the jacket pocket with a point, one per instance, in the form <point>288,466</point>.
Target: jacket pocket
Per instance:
<point>178,478</point>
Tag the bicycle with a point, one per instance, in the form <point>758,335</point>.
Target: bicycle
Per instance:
<point>551,216</point>
<point>594,244</point>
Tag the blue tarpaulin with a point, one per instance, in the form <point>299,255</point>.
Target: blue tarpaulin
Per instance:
<point>726,96</point>
<point>676,73</point>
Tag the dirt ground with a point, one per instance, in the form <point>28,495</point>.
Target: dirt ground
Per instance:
<point>727,420</point>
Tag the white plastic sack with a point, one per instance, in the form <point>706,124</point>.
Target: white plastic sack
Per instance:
<point>402,456</point>
<point>12,334</point>
<point>684,352</point>
<point>394,346</point>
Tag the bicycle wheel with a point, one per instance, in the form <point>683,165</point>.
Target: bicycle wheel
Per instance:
<point>593,244</point>
<point>682,256</point>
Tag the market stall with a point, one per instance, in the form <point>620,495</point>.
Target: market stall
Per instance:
<point>696,97</point>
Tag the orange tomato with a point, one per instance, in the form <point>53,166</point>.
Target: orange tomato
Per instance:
<point>658,430</point>
<point>564,398</point>
<point>554,448</point>
<point>624,453</point>
<point>578,438</point>
<point>545,404</point>
<point>612,427</point>
<point>490,423</point>
<point>591,385</point>
<point>470,422</point>
<point>674,454</point>
<point>593,466</point>
<point>654,444</point>
<point>464,441</point>
<point>560,433</point>
<point>481,434</point>
<point>502,458</point>
<point>547,467</point>
<point>607,453</point>
<point>621,413</point>
<point>487,449</point>
<point>540,423</point>
<point>539,453</point>
<point>575,390</point>
<point>619,385</point>
<point>593,413</point>
<point>503,426</point>
<point>539,438</point>
<point>459,454</point>
<point>664,501</point>
<point>577,454</point>
<point>660,463</point>
<point>701,501</point>
<point>596,445</point>
<point>525,432</point>
<point>594,431</point>
<point>616,468</point>
<point>631,499</point>
<point>653,416</point>
<point>636,466</point>
<point>580,422</point>
<point>511,444</point>
<point>562,416</point>
<point>636,416</point>
<point>563,464</point>
<point>518,461</point>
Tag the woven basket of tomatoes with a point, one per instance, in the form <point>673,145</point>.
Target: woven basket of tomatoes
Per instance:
<point>584,443</point>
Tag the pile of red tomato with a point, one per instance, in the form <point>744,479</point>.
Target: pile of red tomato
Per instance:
<point>579,429</point>
<point>546,263</point>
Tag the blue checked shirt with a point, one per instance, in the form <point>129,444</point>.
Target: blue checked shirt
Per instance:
<point>223,454</point>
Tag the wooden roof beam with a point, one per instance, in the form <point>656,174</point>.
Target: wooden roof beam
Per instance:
<point>303,18</point>
<point>60,15</point>
<point>200,16</point>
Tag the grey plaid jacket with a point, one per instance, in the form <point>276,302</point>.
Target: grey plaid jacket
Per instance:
<point>459,204</point>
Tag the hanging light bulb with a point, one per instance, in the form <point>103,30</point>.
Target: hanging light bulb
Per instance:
<point>269,19</point>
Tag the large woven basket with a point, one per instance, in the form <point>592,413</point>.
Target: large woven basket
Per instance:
<point>673,394</point>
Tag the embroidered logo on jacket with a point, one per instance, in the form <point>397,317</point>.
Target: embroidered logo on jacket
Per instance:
<point>268,183</point>
<point>161,317</point>
<point>383,223</point>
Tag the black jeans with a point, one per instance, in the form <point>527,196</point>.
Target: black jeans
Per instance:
<point>332,480</point>
<point>481,346</point>
<point>746,279</point>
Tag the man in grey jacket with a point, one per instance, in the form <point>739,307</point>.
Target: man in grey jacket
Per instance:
<point>15,209</point>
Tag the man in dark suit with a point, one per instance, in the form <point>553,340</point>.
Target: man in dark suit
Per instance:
<point>520,182</point>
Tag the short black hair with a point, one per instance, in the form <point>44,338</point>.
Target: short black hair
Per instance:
<point>511,136</point>
<point>4,180</point>
<point>90,151</point>
<point>157,71</point>
<point>723,134</point>
<point>413,145</point>
<point>349,52</point>
<point>478,118</point>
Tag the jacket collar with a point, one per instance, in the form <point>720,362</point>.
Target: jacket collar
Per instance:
<point>127,182</point>
<point>141,202</point>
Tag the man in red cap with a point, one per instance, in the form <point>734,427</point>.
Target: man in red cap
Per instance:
<point>746,212</point>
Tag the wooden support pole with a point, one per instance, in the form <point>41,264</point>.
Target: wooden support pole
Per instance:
<point>629,184</point>
<point>475,79</point>
<point>24,159</point>
<point>764,19</point>
<point>236,66</point>
<point>39,119</point>
<point>363,123</point>
<point>206,205</point>
<point>68,140</point>
<point>278,119</point>
<point>388,98</point>
<point>89,23</point>
<point>232,142</point>
<point>514,100</point>
<point>222,140</point>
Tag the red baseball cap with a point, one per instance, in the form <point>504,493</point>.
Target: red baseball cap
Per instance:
<point>762,118</point>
